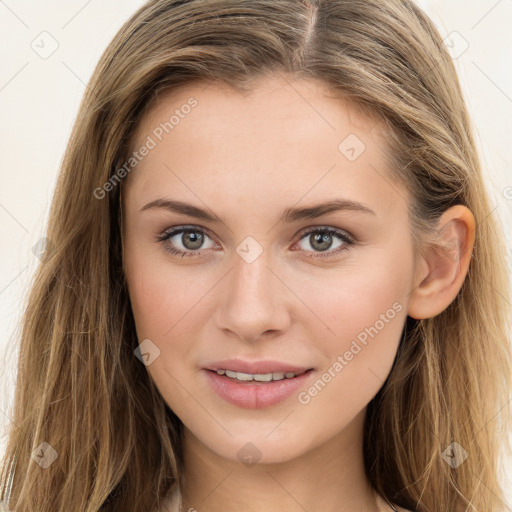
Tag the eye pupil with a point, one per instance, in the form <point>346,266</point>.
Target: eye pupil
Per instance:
<point>192,238</point>
<point>320,240</point>
<point>324,241</point>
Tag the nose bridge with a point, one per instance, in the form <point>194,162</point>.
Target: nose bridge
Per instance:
<point>252,298</point>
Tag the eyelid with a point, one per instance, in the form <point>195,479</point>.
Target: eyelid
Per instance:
<point>330,229</point>
<point>170,232</point>
<point>345,236</point>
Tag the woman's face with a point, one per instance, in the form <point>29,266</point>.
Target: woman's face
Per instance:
<point>297,250</point>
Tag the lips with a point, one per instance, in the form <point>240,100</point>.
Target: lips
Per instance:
<point>256,384</point>
<point>256,367</point>
<point>256,395</point>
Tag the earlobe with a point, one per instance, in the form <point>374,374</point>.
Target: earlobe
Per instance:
<point>444,267</point>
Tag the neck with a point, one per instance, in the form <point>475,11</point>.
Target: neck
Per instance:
<point>329,477</point>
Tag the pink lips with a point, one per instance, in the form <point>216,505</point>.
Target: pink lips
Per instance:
<point>255,394</point>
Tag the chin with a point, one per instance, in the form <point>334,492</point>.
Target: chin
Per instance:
<point>257,446</point>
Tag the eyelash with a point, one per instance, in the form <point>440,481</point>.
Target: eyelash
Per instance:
<point>344,237</point>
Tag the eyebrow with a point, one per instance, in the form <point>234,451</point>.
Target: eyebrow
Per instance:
<point>289,214</point>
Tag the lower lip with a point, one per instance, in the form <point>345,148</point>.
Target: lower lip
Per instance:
<point>255,394</point>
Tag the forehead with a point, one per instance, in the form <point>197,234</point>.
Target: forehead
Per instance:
<point>269,100</point>
<point>294,136</point>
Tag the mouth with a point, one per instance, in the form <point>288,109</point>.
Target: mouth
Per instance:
<point>243,377</point>
<point>256,384</point>
<point>261,369</point>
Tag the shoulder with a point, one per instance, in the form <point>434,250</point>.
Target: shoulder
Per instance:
<point>385,505</point>
<point>171,503</point>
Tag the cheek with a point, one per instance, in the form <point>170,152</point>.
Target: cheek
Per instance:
<point>365,312</point>
<point>160,293</point>
<point>354,297</point>
<point>356,362</point>
<point>163,300</point>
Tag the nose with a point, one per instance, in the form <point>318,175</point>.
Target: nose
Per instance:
<point>254,301</point>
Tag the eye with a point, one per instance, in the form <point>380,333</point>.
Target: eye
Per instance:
<point>188,240</point>
<point>321,239</point>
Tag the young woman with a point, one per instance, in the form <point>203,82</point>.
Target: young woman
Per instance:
<point>275,281</point>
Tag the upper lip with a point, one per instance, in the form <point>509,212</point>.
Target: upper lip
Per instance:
<point>256,367</point>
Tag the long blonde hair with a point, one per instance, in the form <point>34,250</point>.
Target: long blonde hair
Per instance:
<point>79,387</point>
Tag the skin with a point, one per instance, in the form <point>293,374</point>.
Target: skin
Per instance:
<point>247,158</point>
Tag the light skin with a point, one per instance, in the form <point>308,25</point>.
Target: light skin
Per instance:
<point>247,158</point>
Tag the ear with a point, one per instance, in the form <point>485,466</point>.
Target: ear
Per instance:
<point>441,271</point>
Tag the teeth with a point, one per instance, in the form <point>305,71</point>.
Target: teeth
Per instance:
<point>263,377</point>
<point>260,377</point>
<point>243,376</point>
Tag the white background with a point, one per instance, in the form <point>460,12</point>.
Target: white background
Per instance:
<point>39,98</point>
